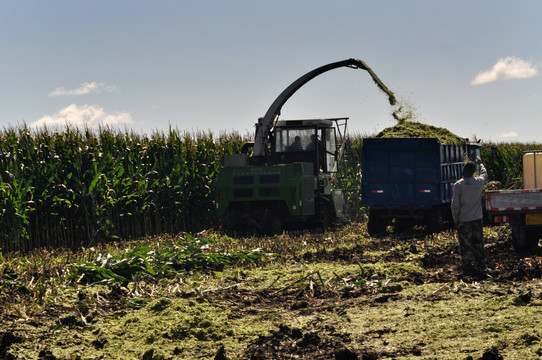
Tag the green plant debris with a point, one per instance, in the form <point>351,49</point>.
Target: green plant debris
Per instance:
<point>404,111</point>
<point>174,326</point>
<point>337,295</point>
<point>391,97</point>
<point>414,129</point>
<point>408,127</point>
<point>188,253</point>
<point>448,324</point>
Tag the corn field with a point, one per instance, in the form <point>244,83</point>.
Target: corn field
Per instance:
<point>79,187</point>
<point>504,162</point>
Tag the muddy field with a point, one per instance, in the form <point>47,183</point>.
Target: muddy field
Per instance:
<point>339,295</point>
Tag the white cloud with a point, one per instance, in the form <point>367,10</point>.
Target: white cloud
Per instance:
<point>83,116</point>
<point>509,134</point>
<point>84,89</point>
<point>507,68</point>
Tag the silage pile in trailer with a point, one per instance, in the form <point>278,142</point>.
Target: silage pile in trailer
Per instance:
<point>407,126</point>
<point>414,129</point>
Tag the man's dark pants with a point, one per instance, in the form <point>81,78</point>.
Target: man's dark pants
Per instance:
<point>471,246</point>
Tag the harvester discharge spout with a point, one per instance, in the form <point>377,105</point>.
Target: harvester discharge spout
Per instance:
<point>265,124</point>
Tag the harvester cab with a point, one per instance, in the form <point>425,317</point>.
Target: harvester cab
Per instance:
<point>315,141</point>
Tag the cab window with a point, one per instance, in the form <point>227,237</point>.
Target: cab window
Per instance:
<point>293,140</point>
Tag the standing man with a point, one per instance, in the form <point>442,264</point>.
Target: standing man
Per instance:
<point>467,214</point>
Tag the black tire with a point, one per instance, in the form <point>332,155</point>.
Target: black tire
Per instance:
<point>272,223</point>
<point>402,225</point>
<point>531,239</point>
<point>327,215</point>
<point>375,225</point>
<point>518,234</point>
<point>325,218</point>
<point>435,220</point>
<point>232,221</point>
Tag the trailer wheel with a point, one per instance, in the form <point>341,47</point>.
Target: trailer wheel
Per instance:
<point>531,239</point>
<point>435,220</point>
<point>375,224</point>
<point>518,234</point>
<point>402,225</point>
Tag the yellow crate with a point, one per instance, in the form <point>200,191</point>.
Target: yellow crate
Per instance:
<point>533,219</point>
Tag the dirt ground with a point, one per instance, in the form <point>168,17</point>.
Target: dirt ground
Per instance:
<point>318,314</point>
<point>326,342</point>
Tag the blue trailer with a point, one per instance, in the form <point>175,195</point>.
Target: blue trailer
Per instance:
<point>408,181</point>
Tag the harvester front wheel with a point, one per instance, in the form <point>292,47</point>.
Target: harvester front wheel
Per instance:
<point>326,213</point>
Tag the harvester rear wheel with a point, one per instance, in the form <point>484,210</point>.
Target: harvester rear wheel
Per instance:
<point>272,223</point>
<point>232,221</point>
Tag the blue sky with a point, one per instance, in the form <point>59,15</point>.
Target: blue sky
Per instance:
<point>473,67</point>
